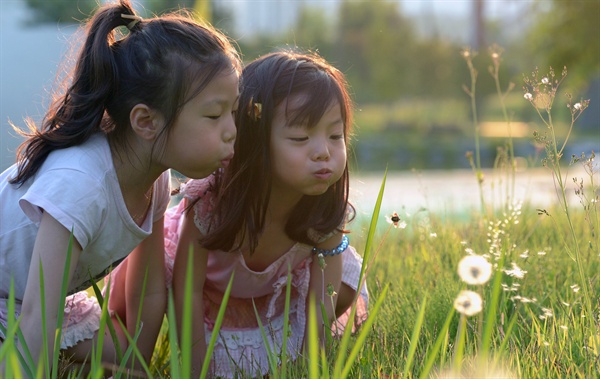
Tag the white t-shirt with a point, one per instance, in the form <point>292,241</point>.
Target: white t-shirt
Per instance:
<point>78,186</point>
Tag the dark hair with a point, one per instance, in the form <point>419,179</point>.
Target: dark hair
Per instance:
<point>245,186</point>
<point>163,63</point>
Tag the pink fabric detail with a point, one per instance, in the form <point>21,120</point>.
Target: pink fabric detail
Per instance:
<point>81,318</point>
<point>240,345</point>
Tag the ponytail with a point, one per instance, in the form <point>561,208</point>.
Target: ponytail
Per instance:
<point>163,63</point>
<point>79,112</point>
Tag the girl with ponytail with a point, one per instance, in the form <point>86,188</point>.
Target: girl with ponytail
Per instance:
<point>94,178</point>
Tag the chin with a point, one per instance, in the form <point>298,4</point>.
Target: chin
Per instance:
<point>199,174</point>
<point>316,191</point>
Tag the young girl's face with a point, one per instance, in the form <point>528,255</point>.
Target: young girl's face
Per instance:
<point>305,159</point>
<point>202,137</point>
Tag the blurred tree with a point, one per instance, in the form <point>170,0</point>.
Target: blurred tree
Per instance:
<point>62,11</point>
<point>567,34</point>
<point>375,49</point>
<point>313,31</point>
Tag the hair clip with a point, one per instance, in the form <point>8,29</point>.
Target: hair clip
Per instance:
<point>254,110</point>
<point>133,17</point>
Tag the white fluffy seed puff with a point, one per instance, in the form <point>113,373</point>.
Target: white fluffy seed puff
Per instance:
<point>468,303</point>
<point>474,269</point>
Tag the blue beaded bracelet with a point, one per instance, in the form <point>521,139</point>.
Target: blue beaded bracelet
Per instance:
<point>335,251</point>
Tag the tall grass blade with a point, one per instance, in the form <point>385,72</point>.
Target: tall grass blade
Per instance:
<point>270,355</point>
<point>414,339</point>
<point>286,323</point>
<point>362,336</point>
<point>186,327</point>
<point>109,325</point>
<point>460,344</point>
<point>173,343</point>
<point>372,228</point>
<point>313,340</point>
<point>215,333</point>
<point>442,338</point>
<point>492,310</point>
<point>61,308</point>
<point>43,362</point>
<point>341,357</point>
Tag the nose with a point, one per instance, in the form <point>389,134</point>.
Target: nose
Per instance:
<point>230,131</point>
<point>321,151</point>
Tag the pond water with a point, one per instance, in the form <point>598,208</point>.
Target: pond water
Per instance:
<point>455,193</point>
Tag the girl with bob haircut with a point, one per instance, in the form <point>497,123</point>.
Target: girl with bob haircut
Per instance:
<point>282,203</point>
<point>160,96</point>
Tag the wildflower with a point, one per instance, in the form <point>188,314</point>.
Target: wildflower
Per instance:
<point>575,288</point>
<point>545,80</point>
<point>474,269</point>
<point>321,259</point>
<point>331,290</point>
<point>528,96</point>
<point>541,253</point>
<point>525,254</point>
<point>433,235</point>
<point>516,271</point>
<point>564,327</point>
<point>395,220</point>
<point>468,303</point>
<point>577,106</point>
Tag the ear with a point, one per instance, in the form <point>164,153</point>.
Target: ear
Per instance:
<point>145,122</point>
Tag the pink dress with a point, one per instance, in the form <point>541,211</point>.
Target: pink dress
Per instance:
<point>240,346</point>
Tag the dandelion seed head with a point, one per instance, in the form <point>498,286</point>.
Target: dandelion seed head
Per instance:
<point>474,269</point>
<point>468,303</point>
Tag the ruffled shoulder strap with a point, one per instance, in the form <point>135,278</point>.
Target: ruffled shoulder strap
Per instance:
<point>201,193</point>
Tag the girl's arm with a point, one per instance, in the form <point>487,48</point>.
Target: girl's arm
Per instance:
<point>189,241</point>
<point>148,257</point>
<point>50,249</point>
<point>320,280</point>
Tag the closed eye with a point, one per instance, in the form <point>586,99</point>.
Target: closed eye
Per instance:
<point>214,117</point>
<point>337,137</point>
<point>299,139</point>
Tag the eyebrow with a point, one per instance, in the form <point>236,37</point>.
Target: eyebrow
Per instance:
<point>221,101</point>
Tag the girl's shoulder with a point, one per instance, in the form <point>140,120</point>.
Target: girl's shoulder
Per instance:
<point>201,194</point>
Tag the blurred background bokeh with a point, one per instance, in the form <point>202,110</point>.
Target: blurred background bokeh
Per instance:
<point>402,59</point>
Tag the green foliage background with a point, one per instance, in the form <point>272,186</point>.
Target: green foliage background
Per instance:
<point>408,85</point>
